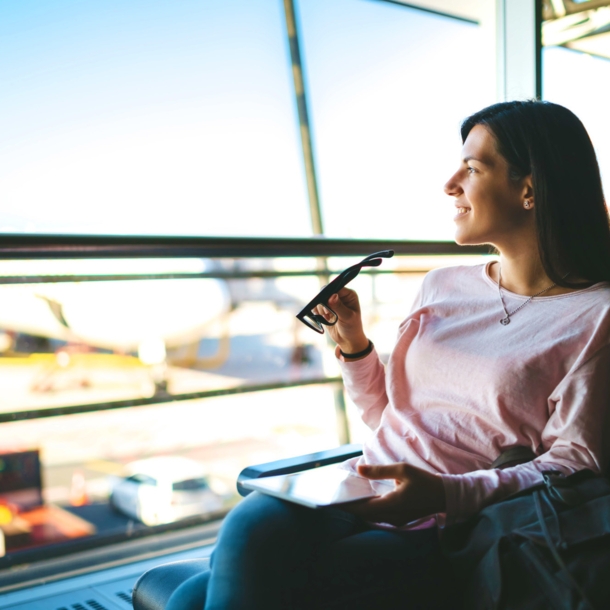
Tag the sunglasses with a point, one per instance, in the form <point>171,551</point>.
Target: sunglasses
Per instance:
<point>317,322</point>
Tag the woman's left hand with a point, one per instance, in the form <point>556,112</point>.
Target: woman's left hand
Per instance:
<point>418,493</point>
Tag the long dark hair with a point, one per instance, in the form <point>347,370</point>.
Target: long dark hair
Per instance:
<point>549,142</point>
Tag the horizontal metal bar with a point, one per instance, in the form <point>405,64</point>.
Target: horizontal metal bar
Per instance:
<point>424,9</point>
<point>218,275</point>
<point>28,414</point>
<point>14,246</point>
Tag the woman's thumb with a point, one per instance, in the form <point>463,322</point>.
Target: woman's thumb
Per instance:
<point>380,471</point>
<point>337,305</point>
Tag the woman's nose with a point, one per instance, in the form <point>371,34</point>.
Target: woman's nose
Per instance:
<point>452,186</point>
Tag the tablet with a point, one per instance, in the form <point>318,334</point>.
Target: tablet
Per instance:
<point>320,487</point>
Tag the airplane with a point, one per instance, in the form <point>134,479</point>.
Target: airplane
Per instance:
<point>122,316</point>
<point>147,317</point>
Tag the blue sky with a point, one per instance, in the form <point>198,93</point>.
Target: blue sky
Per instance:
<point>160,117</point>
<point>150,117</point>
<point>389,88</point>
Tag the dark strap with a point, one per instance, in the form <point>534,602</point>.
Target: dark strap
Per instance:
<point>365,352</point>
<point>513,456</point>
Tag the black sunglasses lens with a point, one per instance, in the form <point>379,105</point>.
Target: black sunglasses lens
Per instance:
<point>310,319</point>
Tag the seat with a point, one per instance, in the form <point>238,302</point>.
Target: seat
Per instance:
<point>178,585</point>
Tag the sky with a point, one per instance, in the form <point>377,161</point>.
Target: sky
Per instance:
<point>147,117</point>
<point>157,117</point>
<point>389,87</point>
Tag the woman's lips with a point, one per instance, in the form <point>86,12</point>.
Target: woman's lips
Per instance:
<point>461,212</point>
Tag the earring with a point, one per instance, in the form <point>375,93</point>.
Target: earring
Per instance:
<point>527,204</point>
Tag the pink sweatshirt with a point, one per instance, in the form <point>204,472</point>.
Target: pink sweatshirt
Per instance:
<point>460,388</point>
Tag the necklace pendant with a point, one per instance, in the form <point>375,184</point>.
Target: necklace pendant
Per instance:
<point>505,321</point>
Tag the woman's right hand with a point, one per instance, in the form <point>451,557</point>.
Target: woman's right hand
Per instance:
<point>347,333</point>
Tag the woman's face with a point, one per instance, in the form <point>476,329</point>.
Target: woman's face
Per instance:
<point>489,205</point>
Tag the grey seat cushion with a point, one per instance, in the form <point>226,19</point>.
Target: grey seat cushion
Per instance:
<point>178,585</point>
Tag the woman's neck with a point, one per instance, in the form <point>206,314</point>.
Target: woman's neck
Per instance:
<point>525,275</point>
<point>522,275</point>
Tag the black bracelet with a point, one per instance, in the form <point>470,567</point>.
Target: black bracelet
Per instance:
<point>365,352</point>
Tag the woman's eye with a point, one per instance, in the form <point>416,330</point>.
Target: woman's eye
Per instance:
<point>471,170</point>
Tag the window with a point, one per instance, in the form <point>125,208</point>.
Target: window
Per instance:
<point>141,479</point>
<point>165,121</point>
<point>191,485</point>
<point>389,86</point>
<point>229,378</point>
<point>148,118</point>
<point>576,69</point>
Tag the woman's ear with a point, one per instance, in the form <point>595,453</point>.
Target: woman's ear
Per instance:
<point>528,193</point>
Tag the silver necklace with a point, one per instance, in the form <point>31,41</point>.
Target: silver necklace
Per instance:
<point>506,320</point>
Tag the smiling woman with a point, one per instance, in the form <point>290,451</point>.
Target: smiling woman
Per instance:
<point>541,383</point>
<point>538,165</point>
<point>489,203</point>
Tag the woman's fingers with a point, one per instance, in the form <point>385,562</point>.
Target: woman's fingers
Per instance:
<point>342,312</point>
<point>399,471</point>
<point>345,305</point>
<point>323,311</point>
<point>346,302</point>
<point>418,494</point>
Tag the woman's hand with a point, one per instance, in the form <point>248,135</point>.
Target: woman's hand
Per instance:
<point>418,494</point>
<point>347,333</point>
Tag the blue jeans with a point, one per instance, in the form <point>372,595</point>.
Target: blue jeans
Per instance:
<point>276,555</point>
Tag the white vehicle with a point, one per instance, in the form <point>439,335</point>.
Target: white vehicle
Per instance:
<point>164,489</point>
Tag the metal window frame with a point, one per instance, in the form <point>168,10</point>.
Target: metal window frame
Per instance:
<point>15,246</point>
<point>519,49</point>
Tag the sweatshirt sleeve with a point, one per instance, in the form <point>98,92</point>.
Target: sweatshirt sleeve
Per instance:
<point>364,382</point>
<point>572,440</point>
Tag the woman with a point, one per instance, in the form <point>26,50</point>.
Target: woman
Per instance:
<point>511,353</point>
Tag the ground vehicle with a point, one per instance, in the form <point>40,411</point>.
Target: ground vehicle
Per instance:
<point>164,489</point>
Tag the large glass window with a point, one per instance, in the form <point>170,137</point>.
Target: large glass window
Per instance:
<point>148,118</point>
<point>131,402</point>
<point>135,390</point>
<point>180,119</point>
<point>389,86</point>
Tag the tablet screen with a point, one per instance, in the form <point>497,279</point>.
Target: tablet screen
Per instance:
<point>324,486</point>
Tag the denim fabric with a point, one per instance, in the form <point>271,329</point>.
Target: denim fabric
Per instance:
<point>276,555</point>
